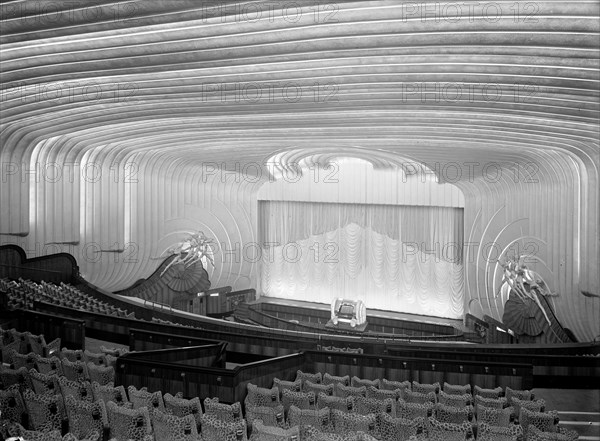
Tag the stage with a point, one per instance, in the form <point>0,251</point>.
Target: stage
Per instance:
<point>318,315</point>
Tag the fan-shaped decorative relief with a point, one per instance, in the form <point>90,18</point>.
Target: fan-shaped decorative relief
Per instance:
<point>522,315</point>
<point>181,279</point>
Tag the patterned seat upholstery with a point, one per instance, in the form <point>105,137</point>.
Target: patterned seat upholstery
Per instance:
<point>359,382</point>
<point>12,407</point>
<point>181,407</point>
<point>75,370</point>
<point>42,384</point>
<point>424,388</point>
<point>451,414</point>
<point>536,434</point>
<point>9,349</point>
<point>169,427</point>
<point>72,355</point>
<point>20,433</point>
<point>80,390</point>
<point>216,429</point>
<point>525,395</point>
<point>414,410</point>
<point>48,366</point>
<point>262,432</point>
<point>310,433</point>
<point>349,391</point>
<point>260,396</point>
<point>270,416</point>
<point>223,412</point>
<point>455,399</point>
<point>440,431</point>
<point>26,361</point>
<point>453,389</point>
<point>128,424</point>
<point>382,394</point>
<point>546,422</point>
<point>487,432</point>
<point>365,406</point>
<point>327,389</point>
<point>533,405</point>
<point>108,393</point>
<point>295,386</point>
<point>101,374</point>
<point>46,411</point>
<point>15,377</point>
<point>21,339</point>
<point>303,376</point>
<point>496,417</point>
<point>99,359</point>
<point>303,400</point>
<point>37,343</point>
<point>319,418</point>
<point>345,423</point>
<point>332,379</point>
<point>393,385</point>
<point>143,398</point>
<point>85,416</point>
<point>394,429</point>
<point>496,403</point>
<point>488,393</point>
<point>419,397</point>
<point>343,404</point>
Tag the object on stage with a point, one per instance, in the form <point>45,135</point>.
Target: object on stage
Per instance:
<point>348,314</point>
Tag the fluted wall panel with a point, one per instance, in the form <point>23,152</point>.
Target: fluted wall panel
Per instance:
<point>161,93</point>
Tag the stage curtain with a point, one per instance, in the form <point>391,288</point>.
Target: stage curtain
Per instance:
<point>397,258</point>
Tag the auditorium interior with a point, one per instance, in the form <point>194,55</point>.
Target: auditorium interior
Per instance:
<point>299,220</point>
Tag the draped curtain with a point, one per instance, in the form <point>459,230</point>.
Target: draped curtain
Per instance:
<point>396,258</point>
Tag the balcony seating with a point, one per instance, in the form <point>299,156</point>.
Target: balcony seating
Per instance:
<point>455,399</point>
<point>419,397</point>
<point>332,379</point>
<point>295,385</point>
<point>270,416</point>
<point>442,431</point>
<point>75,370</point>
<point>319,418</point>
<point>327,389</point>
<point>486,432</point>
<point>80,390</point>
<point>224,412</point>
<point>488,393</point>
<point>181,407</point>
<point>262,432</point>
<point>169,427</point>
<point>42,384</point>
<point>345,423</point>
<point>365,406</point>
<point>142,398</point>
<point>85,416</point>
<point>382,394</point>
<point>303,400</point>
<point>346,404</point>
<point>217,429</point>
<point>12,407</point>
<point>303,376</point>
<point>393,385</point>
<point>425,388</point>
<point>260,396</point>
<point>101,374</point>
<point>525,395</point>
<point>414,410</point>
<point>546,422</point>
<point>392,429</point>
<point>129,424</point>
<point>452,389</point>
<point>451,414</point>
<point>108,393</point>
<point>46,411</point>
<point>496,417</point>
<point>359,382</point>
<point>349,391</point>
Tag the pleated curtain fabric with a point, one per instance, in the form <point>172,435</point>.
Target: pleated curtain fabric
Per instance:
<point>398,258</point>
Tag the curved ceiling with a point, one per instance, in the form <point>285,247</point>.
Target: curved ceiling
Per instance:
<point>174,88</point>
<point>490,81</point>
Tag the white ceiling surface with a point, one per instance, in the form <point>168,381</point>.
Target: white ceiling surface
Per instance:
<point>174,84</point>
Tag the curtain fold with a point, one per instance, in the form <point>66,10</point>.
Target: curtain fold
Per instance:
<point>397,258</point>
